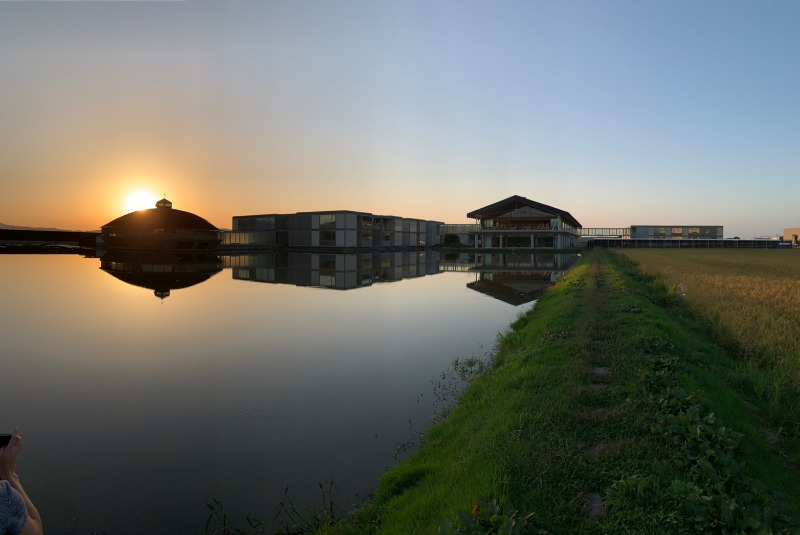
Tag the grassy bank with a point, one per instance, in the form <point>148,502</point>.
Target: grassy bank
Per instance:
<point>609,408</point>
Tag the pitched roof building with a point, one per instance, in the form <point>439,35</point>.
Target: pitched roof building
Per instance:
<point>517,222</point>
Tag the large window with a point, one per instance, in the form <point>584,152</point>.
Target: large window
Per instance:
<point>327,220</point>
<point>327,237</point>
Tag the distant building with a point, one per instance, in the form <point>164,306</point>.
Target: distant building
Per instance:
<point>337,229</point>
<point>676,232</point>
<point>517,222</point>
<point>792,235</point>
<point>160,229</point>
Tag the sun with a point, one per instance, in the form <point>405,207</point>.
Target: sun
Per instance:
<point>140,200</point>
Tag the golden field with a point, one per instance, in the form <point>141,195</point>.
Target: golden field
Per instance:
<point>752,298</point>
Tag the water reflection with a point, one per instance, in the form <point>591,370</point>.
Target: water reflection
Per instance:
<point>513,278</point>
<point>519,279</point>
<point>340,271</point>
<point>160,271</point>
<point>296,386</point>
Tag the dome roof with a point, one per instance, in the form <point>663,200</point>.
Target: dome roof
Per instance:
<point>161,217</point>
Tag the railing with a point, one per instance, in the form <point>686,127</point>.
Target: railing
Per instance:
<point>458,229</point>
<point>456,266</point>
<point>468,229</point>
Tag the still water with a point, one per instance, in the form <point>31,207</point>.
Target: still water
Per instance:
<point>142,400</point>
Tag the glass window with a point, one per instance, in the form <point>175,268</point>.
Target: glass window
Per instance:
<point>677,230</point>
<point>327,236</point>
<point>327,219</point>
<point>327,263</point>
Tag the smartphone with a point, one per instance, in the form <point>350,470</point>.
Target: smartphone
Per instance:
<point>4,440</point>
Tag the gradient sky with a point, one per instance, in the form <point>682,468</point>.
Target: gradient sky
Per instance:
<point>623,113</point>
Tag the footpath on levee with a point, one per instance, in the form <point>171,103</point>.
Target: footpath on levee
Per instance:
<point>607,408</point>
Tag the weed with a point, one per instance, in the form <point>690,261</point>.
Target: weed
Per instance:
<point>218,522</point>
<point>487,518</point>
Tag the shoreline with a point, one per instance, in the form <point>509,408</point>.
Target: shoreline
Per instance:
<point>579,426</point>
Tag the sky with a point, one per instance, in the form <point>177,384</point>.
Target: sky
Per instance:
<point>622,113</point>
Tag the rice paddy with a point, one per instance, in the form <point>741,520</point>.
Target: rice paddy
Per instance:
<point>750,297</point>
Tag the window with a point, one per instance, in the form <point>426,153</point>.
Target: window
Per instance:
<point>327,236</point>
<point>327,220</point>
<point>677,230</point>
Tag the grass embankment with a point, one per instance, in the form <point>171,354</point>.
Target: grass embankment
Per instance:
<point>608,409</point>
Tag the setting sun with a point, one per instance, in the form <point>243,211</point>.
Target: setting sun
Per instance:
<point>140,200</point>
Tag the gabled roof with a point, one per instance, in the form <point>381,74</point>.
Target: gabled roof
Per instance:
<point>516,201</point>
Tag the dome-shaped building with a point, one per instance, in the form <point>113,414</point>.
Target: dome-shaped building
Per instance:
<point>160,229</point>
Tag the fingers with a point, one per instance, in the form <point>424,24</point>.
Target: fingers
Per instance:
<point>16,440</point>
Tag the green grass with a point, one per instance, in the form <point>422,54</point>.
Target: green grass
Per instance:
<point>668,438</point>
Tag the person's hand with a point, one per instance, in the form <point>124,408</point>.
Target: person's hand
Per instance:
<point>8,456</point>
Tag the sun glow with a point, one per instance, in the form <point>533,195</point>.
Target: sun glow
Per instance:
<point>140,200</point>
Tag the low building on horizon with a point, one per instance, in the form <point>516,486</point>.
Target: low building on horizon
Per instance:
<point>676,232</point>
<point>792,235</point>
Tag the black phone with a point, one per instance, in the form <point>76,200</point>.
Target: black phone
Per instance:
<point>4,440</point>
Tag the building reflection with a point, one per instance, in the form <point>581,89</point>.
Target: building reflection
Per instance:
<point>340,271</point>
<point>512,278</point>
<point>515,279</point>
<point>161,272</point>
